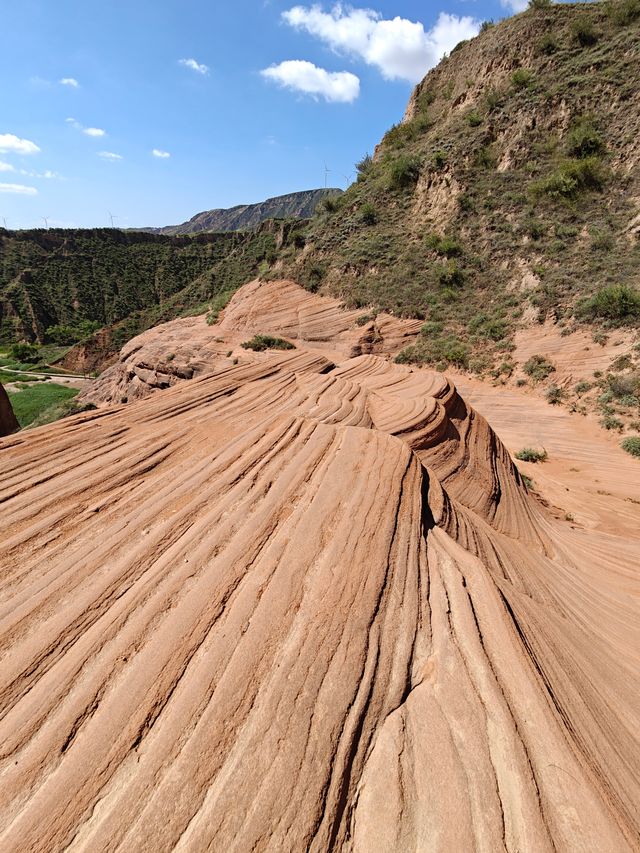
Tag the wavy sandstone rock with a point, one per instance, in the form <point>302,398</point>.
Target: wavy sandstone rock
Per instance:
<point>182,349</point>
<point>290,605</point>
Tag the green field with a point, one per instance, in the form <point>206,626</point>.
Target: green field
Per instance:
<point>33,400</point>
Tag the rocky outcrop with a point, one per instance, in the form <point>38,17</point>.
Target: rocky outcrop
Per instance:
<point>8,421</point>
<point>306,603</point>
<point>188,348</point>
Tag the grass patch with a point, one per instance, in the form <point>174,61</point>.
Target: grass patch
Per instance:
<point>570,179</point>
<point>217,305</point>
<point>618,303</point>
<point>555,394</point>
<point>528,454</point>
<point>260,343</point>
<point>29,403</point>
<point>61,410</point>
<point>538,368</point>
<point>632,445</point>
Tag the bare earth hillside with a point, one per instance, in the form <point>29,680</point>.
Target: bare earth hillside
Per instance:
<point>306,601</point>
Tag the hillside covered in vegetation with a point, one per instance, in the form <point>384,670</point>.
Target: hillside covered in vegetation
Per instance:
<point>509,195</point>
<point>59,286</point>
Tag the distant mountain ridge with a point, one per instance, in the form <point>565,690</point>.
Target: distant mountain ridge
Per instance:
<point>299,205</point>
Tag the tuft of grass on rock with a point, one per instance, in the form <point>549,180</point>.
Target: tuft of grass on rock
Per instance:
<point>632,445</point>
<point>528,454</point>
<point>260,343</point>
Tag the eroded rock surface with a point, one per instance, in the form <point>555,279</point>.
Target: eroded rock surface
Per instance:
<point>182,349</point>
<point>294,604</point>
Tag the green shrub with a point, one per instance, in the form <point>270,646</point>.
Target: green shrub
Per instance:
<point>535,228</point>
<point>494,98</point>
<point>623,12</point>
<point>407,131</point>
<point>538,367</point>
<point>448,247</point>
<point>547,44</point>
<point>610,422</point>
<point>331,203</point>
<point>62,410</point>
<point>632,445</point>
<point>438,350</point>
<point>527,481</point>
<point>618,303</point>
<point>522,78</point>
<point>625,386</point>
<point>584,32</point>
<point>439,159</point>
<point>260,343</point>
<point>432,328</point>
<point>64,335</point>
<point>486,158</point>
<point>582,387</point>
<point>368,214</point>
<point>363,319</point>
<point>571,178</point>
<point>450,275</point>
<point>486,25</point>
<point>493,328</point>
<point>528,454</point>
<point>584,140</point>
<point>402,172</point>
<point>601,241</point>
<point>555,394</point>
<point>474,119</point>
<point>26,353</point>
<point>364,166</point>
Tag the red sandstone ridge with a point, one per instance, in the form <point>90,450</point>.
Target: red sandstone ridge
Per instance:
<point>8,421</point>
<point>306,603</point>
<point>188,348</point>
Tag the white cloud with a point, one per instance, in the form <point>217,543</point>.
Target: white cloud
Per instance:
<point>18,189</point>
<point>515,5</point>
<point>110,155</point>
<point>162,155</point>
<point>88,131</point>
<point>301,76</point>
<point>399,48</point>
<point>69,81</point>
<point>10,142</point>
<point>199,67</point>
<point>6,167</point>
<point>48,174</point>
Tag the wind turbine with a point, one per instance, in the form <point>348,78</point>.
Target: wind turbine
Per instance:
<point>45,219</point>
<point>112,218</point>
<point>4,222</point>
<point>327,172</point>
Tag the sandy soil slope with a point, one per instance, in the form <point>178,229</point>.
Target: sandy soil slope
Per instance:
<point>307,603</point>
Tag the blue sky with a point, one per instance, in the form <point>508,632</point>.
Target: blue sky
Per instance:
<point>239,100</point>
